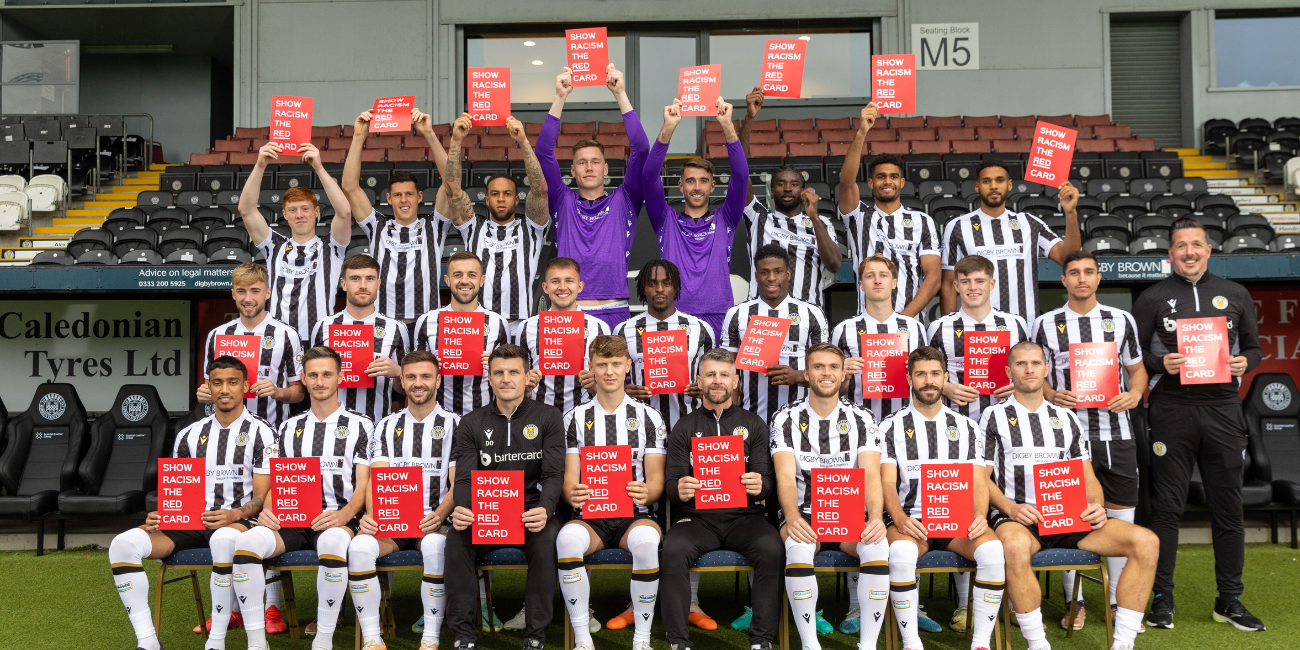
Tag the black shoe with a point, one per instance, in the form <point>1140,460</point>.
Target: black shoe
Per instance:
<point>1230,610</point>
<point>532,644</point>
<point>468,645</point>
<point>766,645</point>
<point>674,646</point>
<point>1162,612</point>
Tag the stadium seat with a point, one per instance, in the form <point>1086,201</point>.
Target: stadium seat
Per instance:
<point>981,121</point>
<point>1126,207</point>
<point>215,178</point>
<point>1018,120</point>
<point>229,257</point>
<point>134,239</point>
<point>52,258</point>
<point>1148,188</point>
<point>1190,188</point>
<point>1092,120</point>
<point>123,218</point>
<point>1256,125</point>
<point>1152,225</point>
<point>800,137</point>
<point>120,465</point>
<point>1221,205</point>
<point>1101,246</point>
<point>956,133</point>
<point>186,257</point>
<point>1135,144</point>
<point>14,210</point>
<point>1012,146</point>
<point>899,148</point>
<point>166,219</point>
<point>945,208</point>
<point>90,239</point>
<point>916,135</point>
<point>209,219</point>
<point>140,257</point>
<point>44,445</point>
<point>917,122</point>
<point>881,135</point>
<point>1272,413</point>
<point>923,166</point>
<point>1059,120</point>
<point>931,146</point>
<point>1094,146</point>
<point>47,192</point>
<point>1110,227</point>
<point>1104,188</point>
<point>1214,134</point>
<point>971,146</point>
<point>1253,225</point>
<point>193,200</point>
<point>928,188</point>
<point>1242,146</point>
<point>13,182</point>
<point>1086,166</point>
<point>1279,244</point>
<point>1039,206</point>
<point>1149,246</point>
<point>1213,225</point>
<point>225,237</point>
<point>1244,245</point>
<point>810,166</point>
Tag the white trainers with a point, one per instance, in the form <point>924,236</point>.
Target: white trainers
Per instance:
<point>593,625</point>
<point>428,645</point>
<point>374,645</point>
<point>640,646</point>
<point>585,645</point>
<point>518,622</point>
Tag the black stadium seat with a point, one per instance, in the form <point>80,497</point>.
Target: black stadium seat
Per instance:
<point>134,239</point>
<point>1272,410</point>
<point>1149,245</point>
<point>1147,188</point>
<point>1219,205</point>
<point>154,200</point>
<point>121,461</point>
<point>1256,125</point>
<point>90,239</point>
<point>1244,245</point>
<point>1215,134</point>
<point>141,257</point>
<point>44,444</point>
<point>97,258</point>
<point>208,219</point>
<point>183,238</point>
<point>225,237</point>
<point>1126,207</point>
<point>1101,246</point>
<point>1109,227</point>
<point>52,258</point>
<point>1172,205</point>
<point>1291,124</point>
<point>230,257</point>
<point>1281,243</point>
<point>193,200</point>
<point>1254,225</point>
<point>124,218</point>
<point>1189,187</point>
<point>186,257</point>
<point>1154,225</point>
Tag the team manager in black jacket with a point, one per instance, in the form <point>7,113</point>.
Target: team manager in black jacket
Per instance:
<point>1200,423</point>
<point>744,530</point>
<point>511,433</point>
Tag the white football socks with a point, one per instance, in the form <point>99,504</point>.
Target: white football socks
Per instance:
<point>1127,623</point>
<point>990,584</point>
<point>363,553</point>
<point>1031,626</point>
<point>222,545</point>
<point>643,543</point>
<point>332,553</point>
<point>873,590</point>
<point>801,589</point>
<point>903,592</point>
<point>126,555</point>
<point>570,545</point>
<point>433,593</point>
<point>249,581</point>
<point>1115,565</point>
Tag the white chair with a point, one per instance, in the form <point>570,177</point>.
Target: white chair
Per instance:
<point>47,192</point>
<point>1290,176</point>
<point>18,183</point>
<point>14,210</point>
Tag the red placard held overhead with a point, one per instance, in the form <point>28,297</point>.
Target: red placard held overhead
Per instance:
<point>884,366</point>
<point>719,462</point>
<point>1094,373</point>
<point>783,67</point>
<point>893,83</point>
<point>296,490</point>
<point>667,370</point>
<point>699,89</point>
<point>1204,342</point>
<point>489,96</point>
<point>947,499</point>
<point>245,347</point>
<point>1061,497</point>
<point>181,491</point>
<point>560,342</point>
<point>986,360</point>
<point>1049,158</point>
<point>397,495</point>
<point>356,345</point>
<point>839,506</point>
<point>290,122</point>
<point>588,55</point>
<point>392,114</point>
<point>606,471</point>
<point>761,346</point>
<point>498,506</point>
<point>460,342</point>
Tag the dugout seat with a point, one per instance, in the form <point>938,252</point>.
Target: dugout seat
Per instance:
<point>45,443</point>
<point>1272,410</point>
<point>121,462</point>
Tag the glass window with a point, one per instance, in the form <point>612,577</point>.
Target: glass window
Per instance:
<point>534,61</point>
<point>1253,51</point>
<point>38,63</point>
<point>838,63</point>
<point>32,99</point>
<point>662,58</point>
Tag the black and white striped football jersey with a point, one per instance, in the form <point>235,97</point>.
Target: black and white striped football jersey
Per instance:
<point>304,278</point>
<point>403,441</point>
<point>903,236</point>
<point>797,236</point>
<point>561,391</point>
<point>341,441</point>
<point>510,254</point>
<point>700,338</point>
<point>807,327</point>
<point>410,260</point>
<point>1013,242</point>
<point>390,341</point>
<point>1016,439</point>
<point>1058,329</point>
<point>912,440</point>
<point>946,334</point>
<point>847,336</point>
<point>231,456</point>
<point>833,442</point>
<point>461,394</point>
<point>279,360</point>
<point>632,423</point>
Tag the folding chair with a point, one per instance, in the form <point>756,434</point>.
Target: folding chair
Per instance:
<point>1064,559</point>
<point>608,558</point>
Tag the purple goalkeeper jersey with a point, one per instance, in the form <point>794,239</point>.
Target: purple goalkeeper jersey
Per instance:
<point>598,234</point>
<point>701,248</point>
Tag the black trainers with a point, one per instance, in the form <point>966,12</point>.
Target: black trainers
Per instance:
<point>1162,612</point>
<point>1230,610</point>
<point>532,644</point>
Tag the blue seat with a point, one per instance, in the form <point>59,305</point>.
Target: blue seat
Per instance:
<point>196,557</point>
<point>1064,557</point>
<point>721,561</point>
<point>401,559</point>
<point>934,561</point>
<point>1070,559</point>
<point>191,562</point>
<point>833,561</point>
<point>294,560</point>
<point>607,557</point>
<point>501,557</point>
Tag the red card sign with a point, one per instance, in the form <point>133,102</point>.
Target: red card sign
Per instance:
<point>719,462</point>
<point>1204,341</point>
<point>947,499</point>
<point>893,83</point>
<point>1094,373</point>
<point>296,491</point>
<point>356,345</point>
<point>1049,159</point>
<point>839,506</point>
<point>986,360</point>
<point>181,493</point>
<point>392,114</point>
<point>397,496</point>
<point>489,96</point>
<point>884,366</point>
<point>560,342</point>
<point>245,347</point>
<point>290,122</point>
<point>699,89</point>
<point>1061,497</point>
<point>606,471</point>
<point>498,507</point>
<point>460,342</point>
<point>666,366</point>
<point>761,346</point>
<point>588,55</point>
<point>783,67</point>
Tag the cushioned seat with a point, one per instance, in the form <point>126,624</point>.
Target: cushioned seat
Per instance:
<point>835,560</point>
<point>608,556</point>
<point>121,462</point>
<point>943,560</point>
<point>401,559</point>
<point>294,560</point>
<point>191,557</point>
<point>503,557</point>
<point>32,505</point>
<point>43,447</point>
<point>1287,492</point>
<point>73,502</point>
<point>721,559</point>
<point>1058,557</point>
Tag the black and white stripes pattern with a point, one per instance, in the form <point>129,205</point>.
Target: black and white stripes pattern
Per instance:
<point>700,338</point>
<point>807,327</point>
<point>230,456</point>
<point>1016,439</point>
<point>1059,328</point>
<point>847,336</point>
<point>304,278</point>
<point>279,360</point>
<point>461,394</point>
<point>903,237</point>
<point>632,423</point>
<point>341,441</point>
<point>390,341</point>
<point>510,254</point>
<point>403,441</point>
<point>946,334</point>
<point>911,440</point>
<point>1013,242</point>
<point>796,235</point>
<point>561,391</point>
<point>410,261</point>
<point>833,442</point>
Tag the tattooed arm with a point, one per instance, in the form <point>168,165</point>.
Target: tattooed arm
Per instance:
<point>459,208</point>
<point>536,206</point>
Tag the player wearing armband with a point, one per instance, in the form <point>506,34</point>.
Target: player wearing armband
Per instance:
<point>236,447</point>
<point>563,285</point>
<point>823,431</point>
<point>1026,430</point>
<point>341,440</point>
<point>612,418</point>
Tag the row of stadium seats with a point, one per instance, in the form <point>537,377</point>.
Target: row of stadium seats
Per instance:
<point>1220,135</point>
<point>903,147</point>
<point>67,145</point>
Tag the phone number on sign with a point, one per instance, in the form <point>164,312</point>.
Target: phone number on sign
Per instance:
<point>163,284</point>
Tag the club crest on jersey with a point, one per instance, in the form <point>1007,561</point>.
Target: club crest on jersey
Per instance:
<point>632,424</point>
<point>1219,302</point>
<point>1015,224</point>
<point>1108,325</point>
<point>843,426</point>
<point>268,342</point>
<point>1012,421</point>
<point>952,433</point>
<point>1002,328</point>
<point>484,459</point>
<point>530,431</point>
<point>910,432</point>
<point>683,327</point>
<point>1159,448</point>
<point>379,331</point>
<point>297,358</point>
<point>806,222</point>
<point>661,432</point>
<point>907,223</point>
<point>242,439</point>
<point>743,432</point>
<point>438,433</point>
<point>794,319</point>
<point>341,433</point>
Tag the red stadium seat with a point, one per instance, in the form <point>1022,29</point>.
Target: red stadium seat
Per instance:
<point>439,129</point>
<point>514,153</point>
<point>415,154</point>
<point>219,158</point>
<point>803,137</point>
<point>711,126</point>
<point>251,158</point>
<point>765,137</point>
<point>899,148</point>
<point>881,135</point>
<point>1092,120</point>
<point>935,122</point>
<point>532,139</point>
<point>564,154</point>
<point>384,142</point>
<point>498,130</point>
<point>567,140</point>
<point>971,146</point>
<point>326,131</point>
<point>996,133</point>
<point>319,143</point>
<point>1136,144</point>
<point>258,144</point>
<point>1012,146</point>
<point>717,151</point>
<point>337,156</point>
<point>1059,120</point>
<point>767,151</point>
<point>418,141</point>
<point>1083,132</point>
<point>235,146</point>
<point>839,148</point>
<point>825,123</point>
<point>807,149</point>
<point>1026,132</point>
<point>246,132</point>
<point>759,125</point>
<point>956,134</point>
<point>584,128</point>
<point>797,125</point>
<point>1094,146</point>
<point>1023,120</point>
<point>610,127</point>
<point>981,121</point>
<point>477,130</point>
<point>479,154</point>
<point>374,155</point>
<point>532,128</point>
<point>617,152</point>
<point>349,130</point>
<point>613,139</point>
<point>931,146</point>
<point>916,134</point>
<point>906,122</point>
<point>1117,131</point>
<point>839,135</point>
<point>714,137</point>
<point>490,140</point>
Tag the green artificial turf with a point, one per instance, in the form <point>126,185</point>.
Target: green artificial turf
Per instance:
<point>66,600</point>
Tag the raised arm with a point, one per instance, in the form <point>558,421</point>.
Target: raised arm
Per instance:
<point>633,183</point>
<point>656,206</point>
<point>733,204</point>
<point>254,222</point>
<point>536,207</point>
<point>563,86</point>
<point>457,201</point>
<point>1069,200</point>
<point>357,200</point>
<point>753,103</point>
<point>827,249</point>
<point>848,191</point>
<point>422,124</point>
<point>341,224</point>
<point>546,139</point>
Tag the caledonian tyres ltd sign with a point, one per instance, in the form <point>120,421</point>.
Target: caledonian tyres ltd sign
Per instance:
<point>96,346</point>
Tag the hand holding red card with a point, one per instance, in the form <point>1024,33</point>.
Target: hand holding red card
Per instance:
<point>296,491</point>
<point>588,55</point>
<point>1204,343</point>
<point>1049,159</point>
<point>397,496</point>
<point>783,67</point>
<point>606,471</point>
<point>245,347</point>
<point>356,346</point>
<point>560,342</point>
<point>1094,373</point>
<point>489,96</point>
<point>498,504</point>
<point>290,122</point>
<point>699,89</point>
<point>839,506</point>
<point>392,114</point>
<point>181,491</point>
<point>893,83</point>
<point>947,499</point>
<point>884,366</point>
<point>761,346</point>
<point>719,462</point>
<point>986,360</point>
<point>667,369</point>
<point>1061,497</point>
<point>461,342</point>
